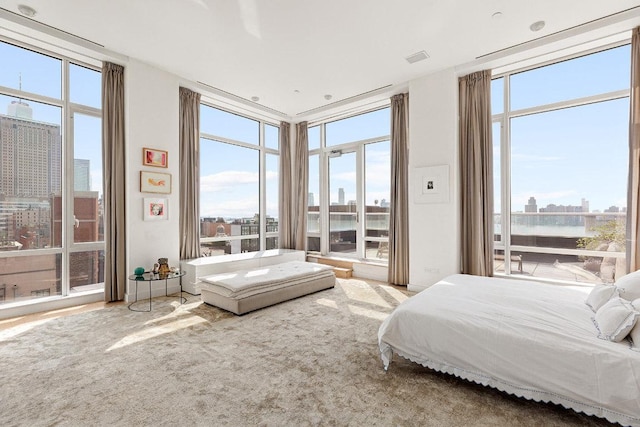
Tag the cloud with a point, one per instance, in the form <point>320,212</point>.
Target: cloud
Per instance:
<point>227,180</point>
<point>240,208</point>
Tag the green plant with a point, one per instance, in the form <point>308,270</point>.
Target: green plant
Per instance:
<point>610,232</point>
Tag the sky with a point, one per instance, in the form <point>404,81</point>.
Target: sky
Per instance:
<point>562,156</point>
<point>42,75</point>
<point>558,157</point>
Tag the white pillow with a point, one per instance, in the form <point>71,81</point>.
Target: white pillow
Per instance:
<point>599,295</point>
<point>615,319</point>
<point>629,286</point>
<point>635,332</point>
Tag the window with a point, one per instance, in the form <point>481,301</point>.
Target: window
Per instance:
<point>238,183</point>
<point>560,168</point>
<point>51,217</point>
<point>348,208</point>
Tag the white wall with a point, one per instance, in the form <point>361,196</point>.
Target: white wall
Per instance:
<point>434,247</point>
<point>151,121</point>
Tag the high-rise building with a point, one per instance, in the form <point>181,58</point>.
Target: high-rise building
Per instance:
<point>30,154</point>
<point>341,196</point>
<point>532,206</point>
<point>311,201</point>
<point>81,175</point>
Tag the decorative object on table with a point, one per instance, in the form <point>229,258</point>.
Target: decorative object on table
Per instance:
<point>155,209</point>
<point>153,157</point>
<point>139,271</point>
<point>156,266</point>
<point>155,182</point>
<point>163,268</point>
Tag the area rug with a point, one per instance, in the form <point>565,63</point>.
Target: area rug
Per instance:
<point>312,361</point>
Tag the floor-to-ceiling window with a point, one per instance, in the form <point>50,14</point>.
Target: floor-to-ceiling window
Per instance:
<point>349,186</point>
<point>560,133</point>
<point>51,216</point>
<point>238,183</point>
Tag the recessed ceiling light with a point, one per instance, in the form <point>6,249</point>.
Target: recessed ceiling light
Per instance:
<point>255,99</point>
<point>296,91</point>
<point>27,10</point>
<point>418,56</point>
<point>537,26</point>
<point>328,97</point>
<point>497,15</point>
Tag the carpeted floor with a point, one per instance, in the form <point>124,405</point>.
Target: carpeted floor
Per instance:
<point>310,361</point>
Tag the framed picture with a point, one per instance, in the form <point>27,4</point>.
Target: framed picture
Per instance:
<point>155,182</point>
<point>153,157</point>
<point>155,209</point>
<point>431,184</point>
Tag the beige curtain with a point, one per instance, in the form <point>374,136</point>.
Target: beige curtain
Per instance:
<point>476,173</point>
<point>189,174</point>
<point>285,190</point>
<point>633,195</point>
<point>113,162</point>
<point>399,213</point>
<point>300,188</point>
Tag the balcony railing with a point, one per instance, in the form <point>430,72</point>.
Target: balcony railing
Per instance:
<point>552,245</point>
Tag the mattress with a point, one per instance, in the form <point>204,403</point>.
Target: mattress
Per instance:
<point>245,283</point>
<point>533,340</point>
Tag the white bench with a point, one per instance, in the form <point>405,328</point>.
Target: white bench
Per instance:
<point>247,290</point>
<point>206,266</point>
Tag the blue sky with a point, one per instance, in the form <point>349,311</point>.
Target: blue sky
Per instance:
<point>562,156</point>
<point>42,75</point>
<point>557,157</point>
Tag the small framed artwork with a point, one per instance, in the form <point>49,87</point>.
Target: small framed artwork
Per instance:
<point>155,182</point>
<point>155,209</point>
<point>153,157</point>
<point>431,184</point>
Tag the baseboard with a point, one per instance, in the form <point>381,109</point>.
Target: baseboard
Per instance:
<point>50,303</point>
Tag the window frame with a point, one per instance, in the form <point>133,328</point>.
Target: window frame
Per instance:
<point>67,109</point>
<point>504,121</point>
<point>323,152</point>
<point>263,150</point>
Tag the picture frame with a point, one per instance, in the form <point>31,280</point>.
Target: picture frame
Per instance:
<point>431,184</point>
<point>155,182</point>
<point>155,158</point>
<point>155,209</point>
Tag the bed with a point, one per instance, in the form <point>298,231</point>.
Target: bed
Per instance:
<point>530,339</point>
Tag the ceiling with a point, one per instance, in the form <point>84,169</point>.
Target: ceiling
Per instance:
<point>295,54</point>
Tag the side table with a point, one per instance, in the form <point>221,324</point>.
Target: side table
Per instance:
<point>150,277</point>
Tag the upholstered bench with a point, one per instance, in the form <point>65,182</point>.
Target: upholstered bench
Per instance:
<point>247,290</point>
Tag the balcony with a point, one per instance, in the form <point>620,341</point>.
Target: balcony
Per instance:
<point>582,247</point>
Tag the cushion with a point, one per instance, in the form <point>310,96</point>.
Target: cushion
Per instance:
<point>615,319</point>
<point>635,332</point>
<point>629,286</point>
<point>599,295</point>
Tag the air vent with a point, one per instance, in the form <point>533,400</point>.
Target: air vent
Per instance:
<point>416,57</point>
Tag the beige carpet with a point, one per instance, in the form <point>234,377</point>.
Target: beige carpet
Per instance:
<point>311,361</point>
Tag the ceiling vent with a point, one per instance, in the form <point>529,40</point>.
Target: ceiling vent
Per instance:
<point>416,57</point>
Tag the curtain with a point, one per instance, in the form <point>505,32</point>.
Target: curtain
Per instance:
<point>476,173</point>
<point>189,174</point>
<point>285,190</point>
<point>398,272</point>
<point>300,188</point>
<point>633,188</point>
<point>113,165</point>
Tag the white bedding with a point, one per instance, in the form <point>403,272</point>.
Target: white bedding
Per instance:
<point>530,339</point>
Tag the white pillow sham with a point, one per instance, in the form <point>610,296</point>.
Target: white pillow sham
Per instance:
<point>629,286</point>
<point>599,295</point>
<point>615,319</point>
